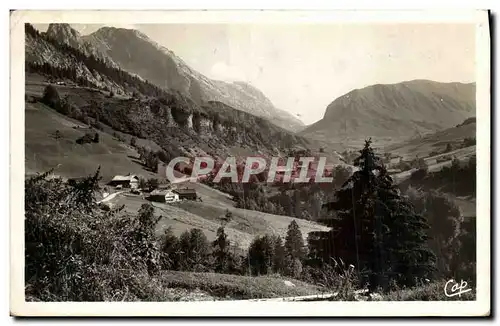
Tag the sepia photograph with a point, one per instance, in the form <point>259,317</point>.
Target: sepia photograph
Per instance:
<point>218,163</point>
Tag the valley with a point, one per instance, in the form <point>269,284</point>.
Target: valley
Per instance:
<point>117,102</point>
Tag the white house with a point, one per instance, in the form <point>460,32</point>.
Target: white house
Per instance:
<point>171,197</point>
<point>164,196</point>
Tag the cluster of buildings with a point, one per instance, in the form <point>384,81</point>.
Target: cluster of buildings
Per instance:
<point>163,194</point>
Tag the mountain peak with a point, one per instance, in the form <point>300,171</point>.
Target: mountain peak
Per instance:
<point>64,33</point>
<point>109,31</point>
<point>136,53</point>
<point>395,110</point>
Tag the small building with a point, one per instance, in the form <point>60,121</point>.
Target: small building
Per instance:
<point>189,194</point>
<point>163,196</point>
<point>125,181</point>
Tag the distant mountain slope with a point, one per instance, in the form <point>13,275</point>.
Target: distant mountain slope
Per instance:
<point>435,142</point>
<point>177,124</point>
<point>395,111</point>
<point>48,54</point>
<point>175,121</point>
<point>137,53</point>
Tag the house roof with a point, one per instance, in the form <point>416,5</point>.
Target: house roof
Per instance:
<point>125,178</point>
<point>162,192</point>
<point>185,191</point>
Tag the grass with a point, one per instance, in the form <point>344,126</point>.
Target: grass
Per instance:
<point>44,152</point>
<point>236,286</point>
<point>433,142</point>
<point>241,230</point>
<point>91,255</point>
<point>429,292</point>
<point>251,222</point>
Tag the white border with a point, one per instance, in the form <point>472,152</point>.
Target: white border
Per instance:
<point>235,308</point>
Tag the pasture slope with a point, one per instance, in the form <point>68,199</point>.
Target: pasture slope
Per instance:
<point>69,159</point>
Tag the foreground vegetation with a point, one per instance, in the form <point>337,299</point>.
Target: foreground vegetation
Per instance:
<point>77,252</point>
<point>237,286</point>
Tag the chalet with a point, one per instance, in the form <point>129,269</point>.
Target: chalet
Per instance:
<point>163,196</point>
<point>125,181</point>
<point>186,193</point>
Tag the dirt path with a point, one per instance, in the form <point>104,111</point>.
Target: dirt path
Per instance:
<point>109,197</point>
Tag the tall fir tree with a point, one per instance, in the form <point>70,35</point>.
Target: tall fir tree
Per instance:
<point>260,255</point>
<point>279,256</point>
<point>185,262</point>
<point>376,229</point>
<point>294,243</point>
<point>199,249</point>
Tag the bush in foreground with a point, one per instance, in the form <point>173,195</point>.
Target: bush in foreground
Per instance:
<point>76,252</point>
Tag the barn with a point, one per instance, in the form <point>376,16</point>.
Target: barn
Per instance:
<point>186,193</point>
<point>126,181</point>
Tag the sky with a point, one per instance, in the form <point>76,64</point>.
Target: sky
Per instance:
<point>303,68</point>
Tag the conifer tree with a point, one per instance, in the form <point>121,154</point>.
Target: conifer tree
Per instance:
<point>376,229</point>
<point>279,256</point>
<point>145,243</point>
<point>198,252</point>
<point>221,251</point>
<point>185,263</point>
<point>260,255</point>
<point>51,97</point>
<point>294,243</point>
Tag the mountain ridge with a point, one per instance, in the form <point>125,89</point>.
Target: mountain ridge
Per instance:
<point>65,34</point>
<point>135,52</point>
<point>401,110</point>
<point>92,91</point>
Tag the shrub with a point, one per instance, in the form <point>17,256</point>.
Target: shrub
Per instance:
<point>85,139</point>
<point>194,251</point>
<point>152,184</point>
<point>57,134</point>
<point>51,97</point>
<point>469,141</point>
<point>76,252</point>
<point>260,255</point>
<point>335,276</point>
<point>420,174</point>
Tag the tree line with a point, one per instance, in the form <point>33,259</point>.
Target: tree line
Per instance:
<point>116,75</point>
<point>377,232</point>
